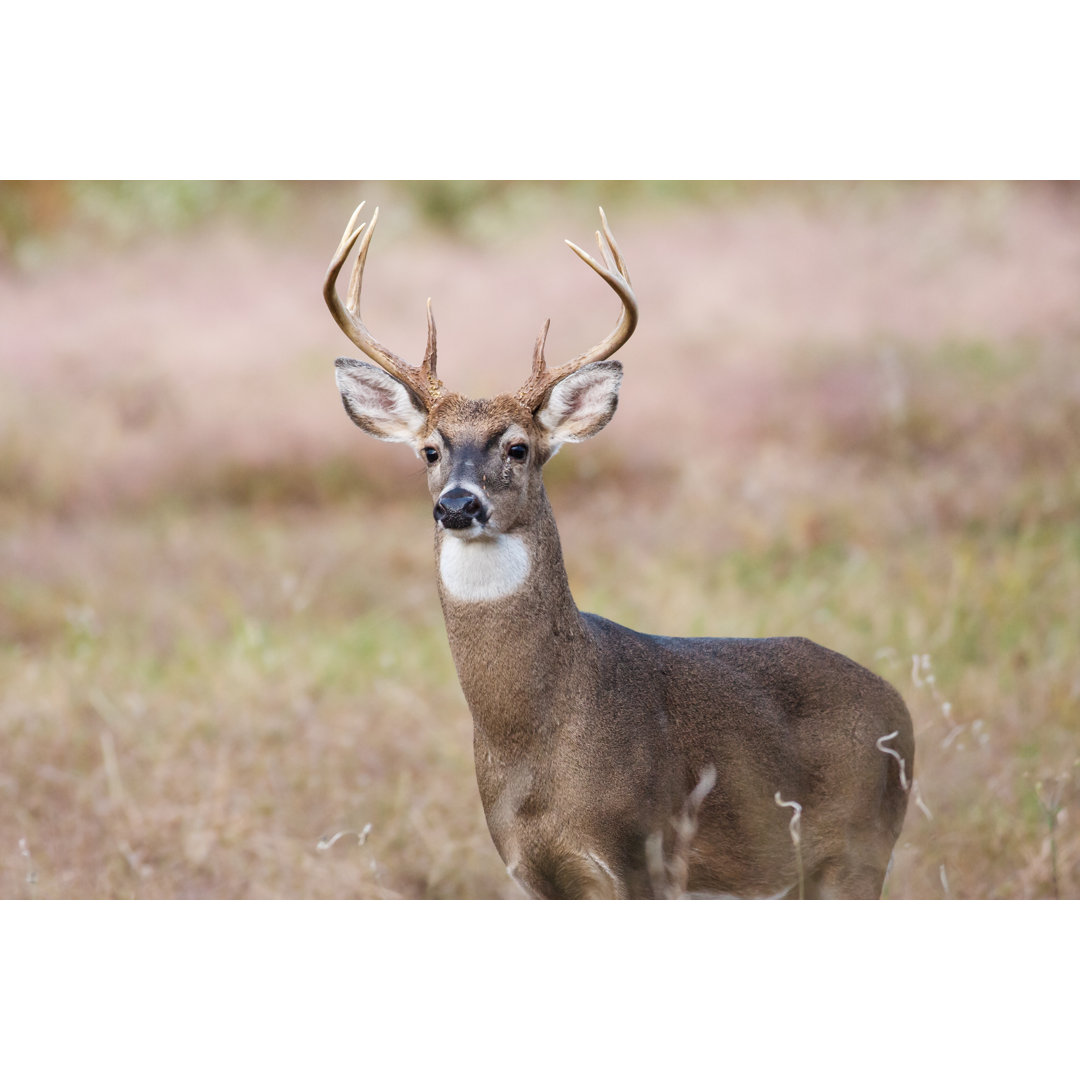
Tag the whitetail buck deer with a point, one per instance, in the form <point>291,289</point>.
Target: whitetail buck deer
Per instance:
<point>599,749</point>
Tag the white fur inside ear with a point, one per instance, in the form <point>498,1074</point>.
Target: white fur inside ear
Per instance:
<point>377,402</point>
<point>583,403</point>
<point>483,569</point>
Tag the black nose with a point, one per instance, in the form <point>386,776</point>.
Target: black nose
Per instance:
<point>458,508</point>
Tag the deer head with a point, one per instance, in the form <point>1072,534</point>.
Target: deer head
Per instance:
<point>483,457</point>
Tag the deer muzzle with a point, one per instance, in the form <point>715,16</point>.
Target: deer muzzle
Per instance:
<point>460,508</point>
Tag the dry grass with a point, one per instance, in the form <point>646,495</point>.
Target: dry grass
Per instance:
<point>850,413</point>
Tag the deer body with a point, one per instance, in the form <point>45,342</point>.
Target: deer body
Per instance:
<point>575,773</point>
<point>599,749</point>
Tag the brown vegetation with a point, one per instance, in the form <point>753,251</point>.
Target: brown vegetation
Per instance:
<point>849,412</point>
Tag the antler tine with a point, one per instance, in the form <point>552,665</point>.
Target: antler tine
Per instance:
<point>604,254</point>
<point>421,380</point>
<point>356,278</point>
<point>614,248</point>
<point>427,368</point>
<point>614,272</point>
<point>538,366</point>
<point>348,238</point>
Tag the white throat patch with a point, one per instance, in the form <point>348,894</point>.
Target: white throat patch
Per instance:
<point>483,569</point>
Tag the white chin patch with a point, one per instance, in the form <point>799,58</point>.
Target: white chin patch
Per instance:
<point>483,569</point>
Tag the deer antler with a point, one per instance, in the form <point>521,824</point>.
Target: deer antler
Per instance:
<point>422,380</point>
<point>614,272</point>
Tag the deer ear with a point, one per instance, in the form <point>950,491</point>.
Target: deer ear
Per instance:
<point>377,402</point>
<point>582,404</point>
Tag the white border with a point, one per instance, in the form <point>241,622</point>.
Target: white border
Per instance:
<point>836,89</point>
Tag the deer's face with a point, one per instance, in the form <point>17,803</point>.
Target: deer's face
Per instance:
<point>483,461</point>
<point>483,458</point>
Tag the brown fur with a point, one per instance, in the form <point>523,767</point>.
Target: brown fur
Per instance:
<point>589,738</point>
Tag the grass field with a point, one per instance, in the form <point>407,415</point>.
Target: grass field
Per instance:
<point>850,412</point>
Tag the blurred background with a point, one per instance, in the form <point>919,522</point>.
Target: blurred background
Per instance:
<point>850,411</point>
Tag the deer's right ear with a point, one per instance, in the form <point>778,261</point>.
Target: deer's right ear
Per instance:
<point>377,402</point>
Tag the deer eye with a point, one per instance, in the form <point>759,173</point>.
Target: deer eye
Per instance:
<point>431,454</point>
<point>518,451</point>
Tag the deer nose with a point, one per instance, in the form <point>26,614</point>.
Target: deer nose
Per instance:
<point>459,508</point>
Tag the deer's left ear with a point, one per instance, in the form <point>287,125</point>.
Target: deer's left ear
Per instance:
<point>582,404</point>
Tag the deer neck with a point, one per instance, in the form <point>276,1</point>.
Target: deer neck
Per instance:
<point>513,626</point>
